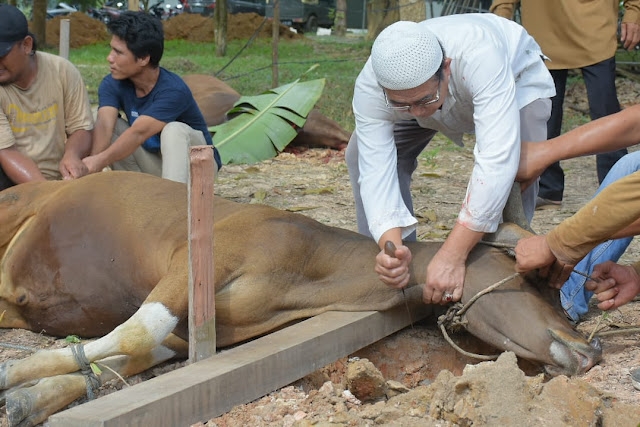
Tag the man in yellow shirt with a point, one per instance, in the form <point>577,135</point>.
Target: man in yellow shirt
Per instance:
<point>45,116</point>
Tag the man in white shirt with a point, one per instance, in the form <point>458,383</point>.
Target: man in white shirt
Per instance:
<point>456,74</point>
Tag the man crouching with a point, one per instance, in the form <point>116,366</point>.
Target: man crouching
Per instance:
<point>163,118</point>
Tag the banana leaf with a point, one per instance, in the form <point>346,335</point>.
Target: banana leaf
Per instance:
<point>263,125</point>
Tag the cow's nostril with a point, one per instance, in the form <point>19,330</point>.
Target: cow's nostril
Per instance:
<point>22,299</point>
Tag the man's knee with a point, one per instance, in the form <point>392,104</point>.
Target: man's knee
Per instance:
<point>175,133</point>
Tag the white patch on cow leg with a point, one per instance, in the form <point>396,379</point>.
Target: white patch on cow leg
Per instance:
<point>139,335</point>
<point>143,332</point>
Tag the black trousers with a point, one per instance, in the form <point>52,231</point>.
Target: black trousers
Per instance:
<point>601,92</point>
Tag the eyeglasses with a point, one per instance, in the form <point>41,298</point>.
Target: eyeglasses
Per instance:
<point>427,100</point>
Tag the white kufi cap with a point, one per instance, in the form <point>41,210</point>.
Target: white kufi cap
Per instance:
<point>405,55</point>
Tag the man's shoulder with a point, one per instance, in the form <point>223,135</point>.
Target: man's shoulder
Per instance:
<point>170,78</point>
<point>109,83</point>
<point>170,84</point>
<point>55,62</point>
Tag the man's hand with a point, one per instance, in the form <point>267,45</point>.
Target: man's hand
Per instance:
<point>532,253</point>
<point>629,35</point>
<point>445,276</point>
<point>618,284</point>
<point>394,272</point>
<point>93,163</point>
<point>72,167</point>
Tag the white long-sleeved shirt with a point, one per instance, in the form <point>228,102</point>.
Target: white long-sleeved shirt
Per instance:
<point>496,69</point>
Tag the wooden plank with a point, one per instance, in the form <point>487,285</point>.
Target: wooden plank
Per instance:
<point>213,386</point>
<point>202,302</point>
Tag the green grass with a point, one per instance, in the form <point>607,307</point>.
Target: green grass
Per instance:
<point>340,60</point>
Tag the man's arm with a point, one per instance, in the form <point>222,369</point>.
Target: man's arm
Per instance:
<point>630,26</point>
<point>608,133</point>
<point>143,128</point>
<point>103,129</point>
<point>632,229</point>
<point>77,147</point>
<point>18,167</point>
<point>615,209</point>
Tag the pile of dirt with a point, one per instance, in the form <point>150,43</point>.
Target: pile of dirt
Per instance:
<point>197,28</point>
<point>486,394</point>
<point>192,27</point>
<point>83,30</point>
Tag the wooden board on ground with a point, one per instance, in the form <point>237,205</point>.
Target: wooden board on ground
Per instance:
<point>213,386</point>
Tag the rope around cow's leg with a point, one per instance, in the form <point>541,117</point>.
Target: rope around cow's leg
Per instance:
<point>93,383</point>
<point>18,347</point>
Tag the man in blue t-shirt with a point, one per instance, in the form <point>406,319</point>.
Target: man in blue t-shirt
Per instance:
<point>164,120</point>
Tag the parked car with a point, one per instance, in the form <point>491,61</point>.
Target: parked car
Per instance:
<point>206,7</point>
<point>305,16</point>
<point>203,7</point>
<point>247,6</point>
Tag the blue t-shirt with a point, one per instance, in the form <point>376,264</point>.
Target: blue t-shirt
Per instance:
<point>169,101</point>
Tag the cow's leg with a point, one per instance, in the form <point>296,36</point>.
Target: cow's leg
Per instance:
<point>141,333</point>
<point>29,406</point>
<point>515,225</point>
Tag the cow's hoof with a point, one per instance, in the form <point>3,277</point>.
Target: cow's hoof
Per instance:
<point>19,406</point>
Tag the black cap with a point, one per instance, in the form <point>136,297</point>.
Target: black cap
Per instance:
<point>13,27</point>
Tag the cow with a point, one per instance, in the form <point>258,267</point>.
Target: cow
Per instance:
<point>107,256</point>
<point>215,98</point>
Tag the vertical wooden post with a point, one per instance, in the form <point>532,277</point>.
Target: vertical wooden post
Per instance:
<point>63,49</point>
<point>202,325</point>
<point>275,39</point>
<point>220,34</point>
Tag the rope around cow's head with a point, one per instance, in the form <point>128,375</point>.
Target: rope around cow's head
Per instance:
<point>454,318</point>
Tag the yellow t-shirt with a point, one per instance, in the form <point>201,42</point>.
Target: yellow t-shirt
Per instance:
<point>613,209</point>
<point>37,120</point>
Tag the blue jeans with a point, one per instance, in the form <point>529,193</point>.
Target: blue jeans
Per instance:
<point>574,296</point>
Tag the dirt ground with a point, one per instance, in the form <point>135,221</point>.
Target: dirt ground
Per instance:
<point>187,26</point>
<point>442,387</point>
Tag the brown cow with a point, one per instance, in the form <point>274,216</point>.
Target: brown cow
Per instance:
<point>215,98</point>
<point>106,256</point>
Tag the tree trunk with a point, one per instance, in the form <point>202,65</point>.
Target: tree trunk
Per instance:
<point>220,16</point>
<point>340,23</point>
<point>39,23</point>
<point>413,10</point>
<point>381,14</point>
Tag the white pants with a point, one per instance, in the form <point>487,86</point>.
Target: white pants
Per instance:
<point>172,162</point>
<point>411,139</point>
